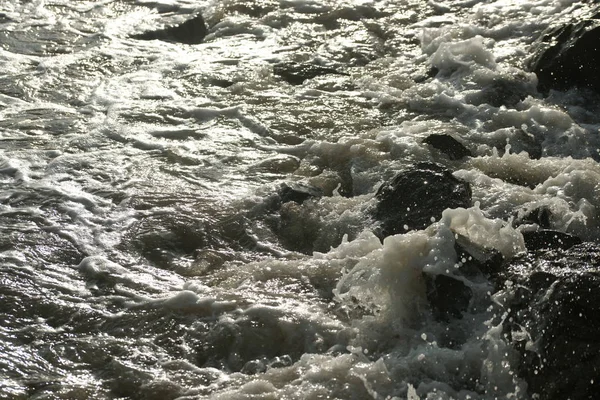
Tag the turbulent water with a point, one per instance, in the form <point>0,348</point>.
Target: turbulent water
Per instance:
<point>143,250</point>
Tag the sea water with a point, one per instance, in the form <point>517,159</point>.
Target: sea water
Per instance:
<point>141,255</point>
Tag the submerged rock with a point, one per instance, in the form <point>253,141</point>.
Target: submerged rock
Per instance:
<point>553,321</point>
<point>296,74</point>
<point>191,31</point>
<point>503,91</point>
<point>416,196</point>
<point>454,149</point>
<point>293,223</point>
<point>568,55</point>
<point>430,73</point>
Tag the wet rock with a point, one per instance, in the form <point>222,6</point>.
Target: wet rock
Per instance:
<point>417,195</point>
<point>160,390</point>
<point>448,297</point>
<point>544,237</point>
<point>298,192</point>
<point>224,83</point>
<point>191,31</point>
<point>5,18</point>
<point>279,164</point>
<point>474,260</point>
<point>530,142</point>
<point>296,74</point>
<point>568,55</point>
<point>553,320</point>
<point>254,367</point>
<point>549,239</point>
<point>438,8</point>
<point>454,149</point>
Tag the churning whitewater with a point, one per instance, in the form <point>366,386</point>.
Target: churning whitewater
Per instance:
<point>295,199</point>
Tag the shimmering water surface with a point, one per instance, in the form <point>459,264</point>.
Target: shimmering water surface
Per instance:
<point>142,255</point>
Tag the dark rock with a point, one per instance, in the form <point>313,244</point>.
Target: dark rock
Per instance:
<point>569,55</point>
<point>549,239</point>
<point>448,297</point>
<point>298,192</point>
<point>296,74</point>
<point>191,31</point>
<point>474,259</point>
<point>416,196</point>
<point>454,149</point>
<point>553,321</point>
<point>530,141</point>
<point>5,18</point>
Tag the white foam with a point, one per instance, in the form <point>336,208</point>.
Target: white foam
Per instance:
<point>491,233</point>
<point>463,54</point>
<point>189,302</point>
<point>567,186</point>
<point>95,266</point>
